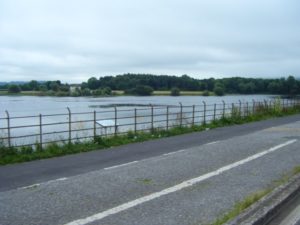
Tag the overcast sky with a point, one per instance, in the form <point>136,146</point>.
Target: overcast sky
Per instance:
<point>72,40</point>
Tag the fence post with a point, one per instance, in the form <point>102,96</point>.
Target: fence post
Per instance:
<point>266,105</point>
<point>116,120</point>
<point>95,131</point>
<point>193,116</point>
<point>270,104</point>
<point>240,108</point>
<point>8,129</point>
<point>247,110</point>
<point>253,108</point>
<point>167,117</point>
<point>204,112</point>
<point>41,132</point>
<point>223,108</point>
<point>180,114</point>
<point>215,108</point>
<point>294,103</point>
<point>135,119</point>
<point>70,124</point>
<point>152,118</point>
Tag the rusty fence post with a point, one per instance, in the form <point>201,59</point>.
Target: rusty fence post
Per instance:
<point>193,116</point>
<point>41,131</point>
<point>223,109</point>
<point>204,112</point>
<point>215,109</point>
<point>95,129</point>
<point>135,120</point>
<point>8,129</point>
<point>240,108</point>
<point>152,118</point>
<point>167,119</point>
<point>70,124</point>
<point>116,121</point>
<point>180,121</point>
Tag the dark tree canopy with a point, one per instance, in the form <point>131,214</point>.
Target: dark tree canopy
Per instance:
<point>144,84</point>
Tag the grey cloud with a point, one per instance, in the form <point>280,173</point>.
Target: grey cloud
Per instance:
<point>73,40</point>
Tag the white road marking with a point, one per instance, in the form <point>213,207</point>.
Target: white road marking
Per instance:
<point>117,166</point>
<point>214,142</point>
<point>171,153</point>
<point>39,184</point>
<point>175,188</point>
<point>30,186</point>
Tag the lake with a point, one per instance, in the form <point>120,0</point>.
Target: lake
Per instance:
<point>33,116</point>
<point>33,105</point>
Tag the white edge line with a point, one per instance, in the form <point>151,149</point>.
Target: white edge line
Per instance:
<point>117,166</point>
<point>175,188</point>
<point>211,143</point>
<point>171,153</point>
<point>44,183</point>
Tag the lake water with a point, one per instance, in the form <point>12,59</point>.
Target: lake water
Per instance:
<point>32,105</point>
<point>85,110</point>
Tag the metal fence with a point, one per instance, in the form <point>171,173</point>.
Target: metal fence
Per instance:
<point>71,126</point>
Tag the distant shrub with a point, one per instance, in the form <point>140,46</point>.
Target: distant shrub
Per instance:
<point>219,91</point>
<point>205,93</point>
<point>175,91</point>
<point>13,88</point>
<point>142,90</point>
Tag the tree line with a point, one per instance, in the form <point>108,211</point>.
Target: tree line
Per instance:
<point>145,84</point>
<point>233,85</point>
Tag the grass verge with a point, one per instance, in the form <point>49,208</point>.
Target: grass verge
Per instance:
<point>240,206</point>
<point>22,154</point>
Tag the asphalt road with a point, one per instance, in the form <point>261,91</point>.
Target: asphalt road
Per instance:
<point>188,179</point>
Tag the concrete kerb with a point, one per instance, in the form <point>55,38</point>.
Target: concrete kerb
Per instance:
<point>267,207</point>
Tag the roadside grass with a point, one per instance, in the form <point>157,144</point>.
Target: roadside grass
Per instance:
<point>29,153</point>
<point>239,207</point>
<point>249,200</point>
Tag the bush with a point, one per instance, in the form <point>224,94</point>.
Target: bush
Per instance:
<point>205,93</point>
<point>142,90</point>
<point>13,88</point>
<point>175,91</point>
<point>219,91</point>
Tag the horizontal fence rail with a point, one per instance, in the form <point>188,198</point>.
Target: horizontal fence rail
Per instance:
<point>42,129</point>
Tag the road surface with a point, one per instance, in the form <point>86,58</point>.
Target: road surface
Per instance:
<point>188,179</point>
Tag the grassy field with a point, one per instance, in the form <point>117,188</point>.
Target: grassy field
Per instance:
<point>22,93</point>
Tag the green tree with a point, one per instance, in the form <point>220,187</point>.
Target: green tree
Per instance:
<point>205,93</point>
<point>106,91</point>
<point>142,90</point>
<point>43,88</point>
<point>219,91</point>
<point>14,88</point>
<point>34,85</point>
<point>93,83</point>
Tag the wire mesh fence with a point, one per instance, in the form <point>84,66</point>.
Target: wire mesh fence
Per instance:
<point>71,126</point>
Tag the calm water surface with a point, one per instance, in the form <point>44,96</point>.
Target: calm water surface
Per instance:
<point>56,127</point>
<point>32,105</point>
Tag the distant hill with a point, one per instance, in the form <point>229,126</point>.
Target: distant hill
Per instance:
<point>18,82</point>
